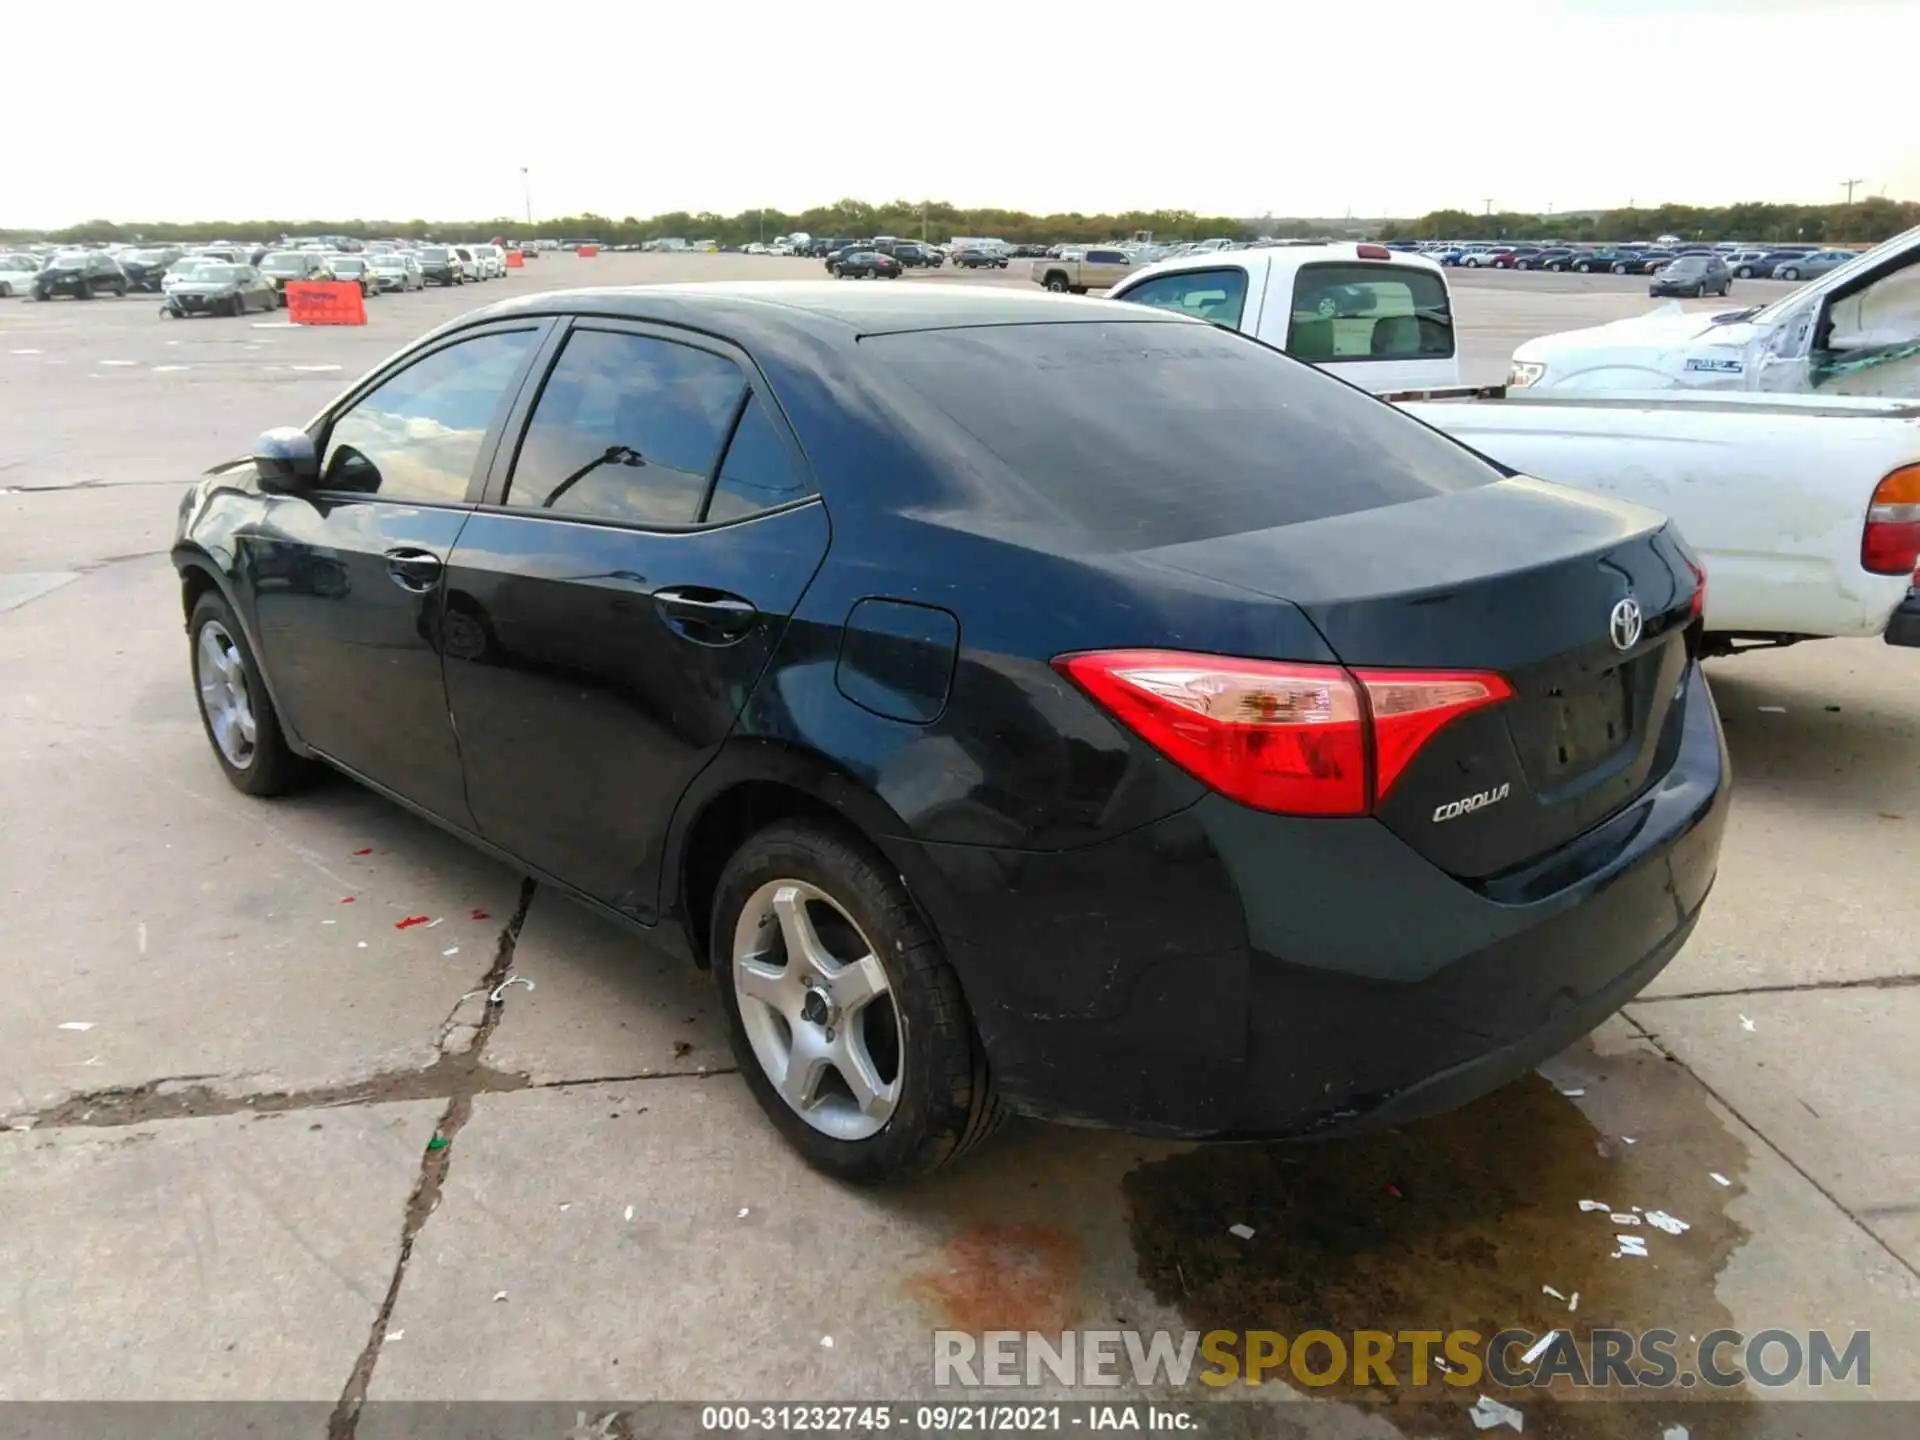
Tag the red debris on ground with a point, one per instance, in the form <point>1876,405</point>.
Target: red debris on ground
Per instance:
<point>480,915</point>
<point>346,899</point>
<point>410,921</point>
<point>367,851</point>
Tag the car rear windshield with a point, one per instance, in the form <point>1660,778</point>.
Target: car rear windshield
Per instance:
<point>1686,265</point>
<point>1156,433</point>
<point>1355,310</point>
<point>433,252</point>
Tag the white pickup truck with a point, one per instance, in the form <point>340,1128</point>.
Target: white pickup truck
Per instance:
<point>1805,509</point>
<point>1853,331</point>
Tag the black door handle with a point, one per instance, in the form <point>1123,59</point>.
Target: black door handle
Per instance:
<point>709,617</point>
<point>416,571</point>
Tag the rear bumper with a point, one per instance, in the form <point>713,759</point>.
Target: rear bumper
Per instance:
<point>1903,627</point>
<point>1225,972</point>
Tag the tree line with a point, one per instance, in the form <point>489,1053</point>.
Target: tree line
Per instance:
<point>909,219</point>
<point>1872,219</point>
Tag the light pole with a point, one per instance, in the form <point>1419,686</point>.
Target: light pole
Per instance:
<point>526,196</point>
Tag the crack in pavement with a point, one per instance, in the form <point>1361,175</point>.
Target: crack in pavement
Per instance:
<point>344,1423</point>
<point>1765,1139</point>
<point>92,483</point>
<point>1878,982</point>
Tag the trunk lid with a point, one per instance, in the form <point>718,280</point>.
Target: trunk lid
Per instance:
<point>1522,578</point>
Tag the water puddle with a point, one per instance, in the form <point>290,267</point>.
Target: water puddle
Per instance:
<point>1458,1223</point>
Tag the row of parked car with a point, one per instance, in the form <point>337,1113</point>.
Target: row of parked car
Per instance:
<point>1745,263</point>
<point>233,279</point>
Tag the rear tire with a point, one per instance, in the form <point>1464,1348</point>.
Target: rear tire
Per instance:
<point>1057,284</point>
<point>1790,273</point>
<point>938,1102</point>
<point>259,764</point>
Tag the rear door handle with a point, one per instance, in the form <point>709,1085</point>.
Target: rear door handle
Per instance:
<point>415,571</point>
<point>708,617</point>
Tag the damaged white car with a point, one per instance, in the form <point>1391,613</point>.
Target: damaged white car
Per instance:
<point>1854,331</point>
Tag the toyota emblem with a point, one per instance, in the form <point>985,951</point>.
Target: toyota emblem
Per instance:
<point>1625,624</point>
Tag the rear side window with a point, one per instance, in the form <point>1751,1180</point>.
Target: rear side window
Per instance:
<point>1155,433</point>
<point>1358,311</point>
<point>759,471</point>
<point>627,429</point>
<point>1216,295</point>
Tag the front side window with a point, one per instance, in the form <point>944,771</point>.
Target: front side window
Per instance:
<point>1216,295</point>
<point>417,436</point>
<point>627,429</point>
<point>1347,311</point>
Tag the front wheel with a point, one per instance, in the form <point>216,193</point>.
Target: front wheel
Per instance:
<point>1790,274</point>
<point>1619,269</point>
<point>1745,272</point>
<point>847,1021</point>
<point>235,709</point>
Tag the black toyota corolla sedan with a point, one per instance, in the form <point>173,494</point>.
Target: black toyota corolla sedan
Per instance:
<point>1019,702</point>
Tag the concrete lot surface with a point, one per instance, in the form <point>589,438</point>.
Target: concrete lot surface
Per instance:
<point>225,1074</point>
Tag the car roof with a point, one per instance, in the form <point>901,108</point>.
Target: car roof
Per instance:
<point>823,306</point>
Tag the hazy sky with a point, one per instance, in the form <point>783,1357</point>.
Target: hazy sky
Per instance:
<point>1283,107</point>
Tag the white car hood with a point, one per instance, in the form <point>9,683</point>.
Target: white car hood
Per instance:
<point>1668,348</point>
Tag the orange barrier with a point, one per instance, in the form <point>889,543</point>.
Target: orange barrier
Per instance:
<point>587,252</point>
<point>515,260</point>
<point>325,302</point>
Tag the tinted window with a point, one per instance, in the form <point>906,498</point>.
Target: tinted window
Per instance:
<point>1357,311</point>
<point>627,428</point>
<point>433,252</point>
<point>759,471</point>
<point>417,436</point>
<point>1216,295</point>
<point>1147,434</point>
<point>1106,257</point>
<point>1687,265</point>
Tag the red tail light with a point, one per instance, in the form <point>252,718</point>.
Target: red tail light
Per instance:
<point>1373,252</point>
<point>1698,605</point>
<point>1891,542</point>
<point>1296,739</point>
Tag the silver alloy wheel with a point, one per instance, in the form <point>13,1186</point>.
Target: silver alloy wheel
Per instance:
<point>224,698</point>
<point>818,1009</point>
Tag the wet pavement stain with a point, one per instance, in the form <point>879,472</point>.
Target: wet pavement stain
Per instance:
<point>1457,1223</point>
<point>993,1276</point>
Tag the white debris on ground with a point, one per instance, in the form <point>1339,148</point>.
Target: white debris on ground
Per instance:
<point>1488,1412</point>
<point>1595,1205</point>
<point>1661,1220</point>
<point>1240,1232</point>
<point>1718,1178</point>
<point>1540,1347</point>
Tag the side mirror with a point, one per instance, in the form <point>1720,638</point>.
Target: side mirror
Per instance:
<point>285,460</point>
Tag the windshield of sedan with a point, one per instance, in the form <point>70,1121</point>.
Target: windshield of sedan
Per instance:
<point>69,259</point>
<point>434,252</point>
<point>1146,434</point>
<point>285,260</point>
<point>1687,265</point>
<point>347,265</point>
<point>18,262</point>
<point>216,274</point>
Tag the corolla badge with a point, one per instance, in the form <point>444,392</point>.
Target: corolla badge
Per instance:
<point>1625,624</point>
<point>1454,809</point>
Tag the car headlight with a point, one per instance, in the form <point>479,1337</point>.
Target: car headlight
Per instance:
<point>1524,373</point>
